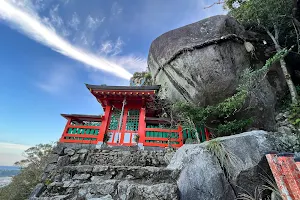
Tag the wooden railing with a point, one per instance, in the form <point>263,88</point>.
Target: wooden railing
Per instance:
<point>203,134</point>
<point>161,137</point>
<point>125,138</point>
<point>80,134</point>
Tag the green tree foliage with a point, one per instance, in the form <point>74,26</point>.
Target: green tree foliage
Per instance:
<point>30,174</point>
<point>277,19</point>
<point>294,117</point>
<point>141,79</point>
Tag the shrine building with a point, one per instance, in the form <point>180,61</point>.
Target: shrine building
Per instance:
<point>129,119</point>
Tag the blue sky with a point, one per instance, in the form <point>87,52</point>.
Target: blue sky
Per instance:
<point>50,48</point>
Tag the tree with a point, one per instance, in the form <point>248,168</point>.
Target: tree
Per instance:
<point>31,170</point>
<point>276,18</point>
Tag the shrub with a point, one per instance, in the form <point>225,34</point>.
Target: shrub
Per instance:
<point>233,127</point>
<point>294,117</point>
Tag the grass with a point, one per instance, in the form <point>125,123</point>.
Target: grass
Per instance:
<point>269,187</point>
<point>226,159</point>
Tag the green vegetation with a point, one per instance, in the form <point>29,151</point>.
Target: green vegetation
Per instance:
<point>225,158</point>
<point>106,137</point>
<point>30,173</point>
<point>233,127</point>
<point>277,19</point>
<point>136,138</point>
<point>141,78</point>
<point>224,112</point>
<point>294,117</point>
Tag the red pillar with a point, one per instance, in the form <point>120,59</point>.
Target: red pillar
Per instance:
<point>207,134</point>
<point>180,135</point>
<point>142,125</point>
<point>65,130</point>
<point>104,123</point>
<point>123,125</point>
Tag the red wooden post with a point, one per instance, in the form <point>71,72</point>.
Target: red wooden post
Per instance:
<point>142,125</point>
<point>207,134</point>
<point>104,123</point>
<point>290,175</point>
<point>180,135</point>
<point>123,125</point>
<point>286,175</point>
<point>65,130</point>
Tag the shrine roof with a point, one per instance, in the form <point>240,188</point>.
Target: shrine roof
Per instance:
<point>123,88</point>
<point>82,117</point>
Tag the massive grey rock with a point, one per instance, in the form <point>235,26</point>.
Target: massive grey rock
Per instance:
<point>202,177</point>
<point>202,63</point>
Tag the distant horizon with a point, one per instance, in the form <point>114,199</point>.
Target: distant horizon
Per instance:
<point>11,167</point>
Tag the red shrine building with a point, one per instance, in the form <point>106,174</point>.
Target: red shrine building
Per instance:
<point>129,119</point>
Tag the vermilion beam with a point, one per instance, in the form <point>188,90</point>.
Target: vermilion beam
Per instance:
<point>286,175</point>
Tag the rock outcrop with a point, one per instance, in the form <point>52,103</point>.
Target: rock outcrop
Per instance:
<point>106,174</point>
<point>203,178</point>
<point>202,63</point>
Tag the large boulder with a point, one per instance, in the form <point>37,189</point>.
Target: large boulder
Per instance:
<point>202,176</point>
<point>202,63</point>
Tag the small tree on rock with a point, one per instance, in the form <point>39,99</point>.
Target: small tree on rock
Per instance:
<point>278,18</point>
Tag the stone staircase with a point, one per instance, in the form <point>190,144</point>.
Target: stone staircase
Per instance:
<point>107,174</point>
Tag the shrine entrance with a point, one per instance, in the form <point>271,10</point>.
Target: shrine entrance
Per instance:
<point>123,126</point>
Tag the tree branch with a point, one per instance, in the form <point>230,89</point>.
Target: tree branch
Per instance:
<point>276,32</point>
<point>297,34</point>
<point>216,3</point>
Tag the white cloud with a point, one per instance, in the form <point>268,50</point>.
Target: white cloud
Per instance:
<point>106,47</point>
<point>54,16</point>
<point>94,22</point>
<point>75,21</point>
<point>11,146</point>
<point>118,46</point>
<point>32,26</point>
<point>10,152</point>
<point>133,63</point>
<point>112,48</point>
<point>116,9</point>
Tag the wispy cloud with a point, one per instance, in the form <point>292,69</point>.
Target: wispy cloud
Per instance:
<point>116,9</point>
<point>75,21</point>
<point>10,152</point>
<point>6,145</point>
<point>133,63</point>
<point>32,26</point>
<point>94,22</point>
<point>111,48</point>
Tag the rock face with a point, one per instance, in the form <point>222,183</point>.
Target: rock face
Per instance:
<point>202,63</point>
<point>203,178</point>
<point>106,174</point>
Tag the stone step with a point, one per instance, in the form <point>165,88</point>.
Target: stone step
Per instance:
<point>127,158</point>
<point>138,173</point>
<point>112,189</point>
